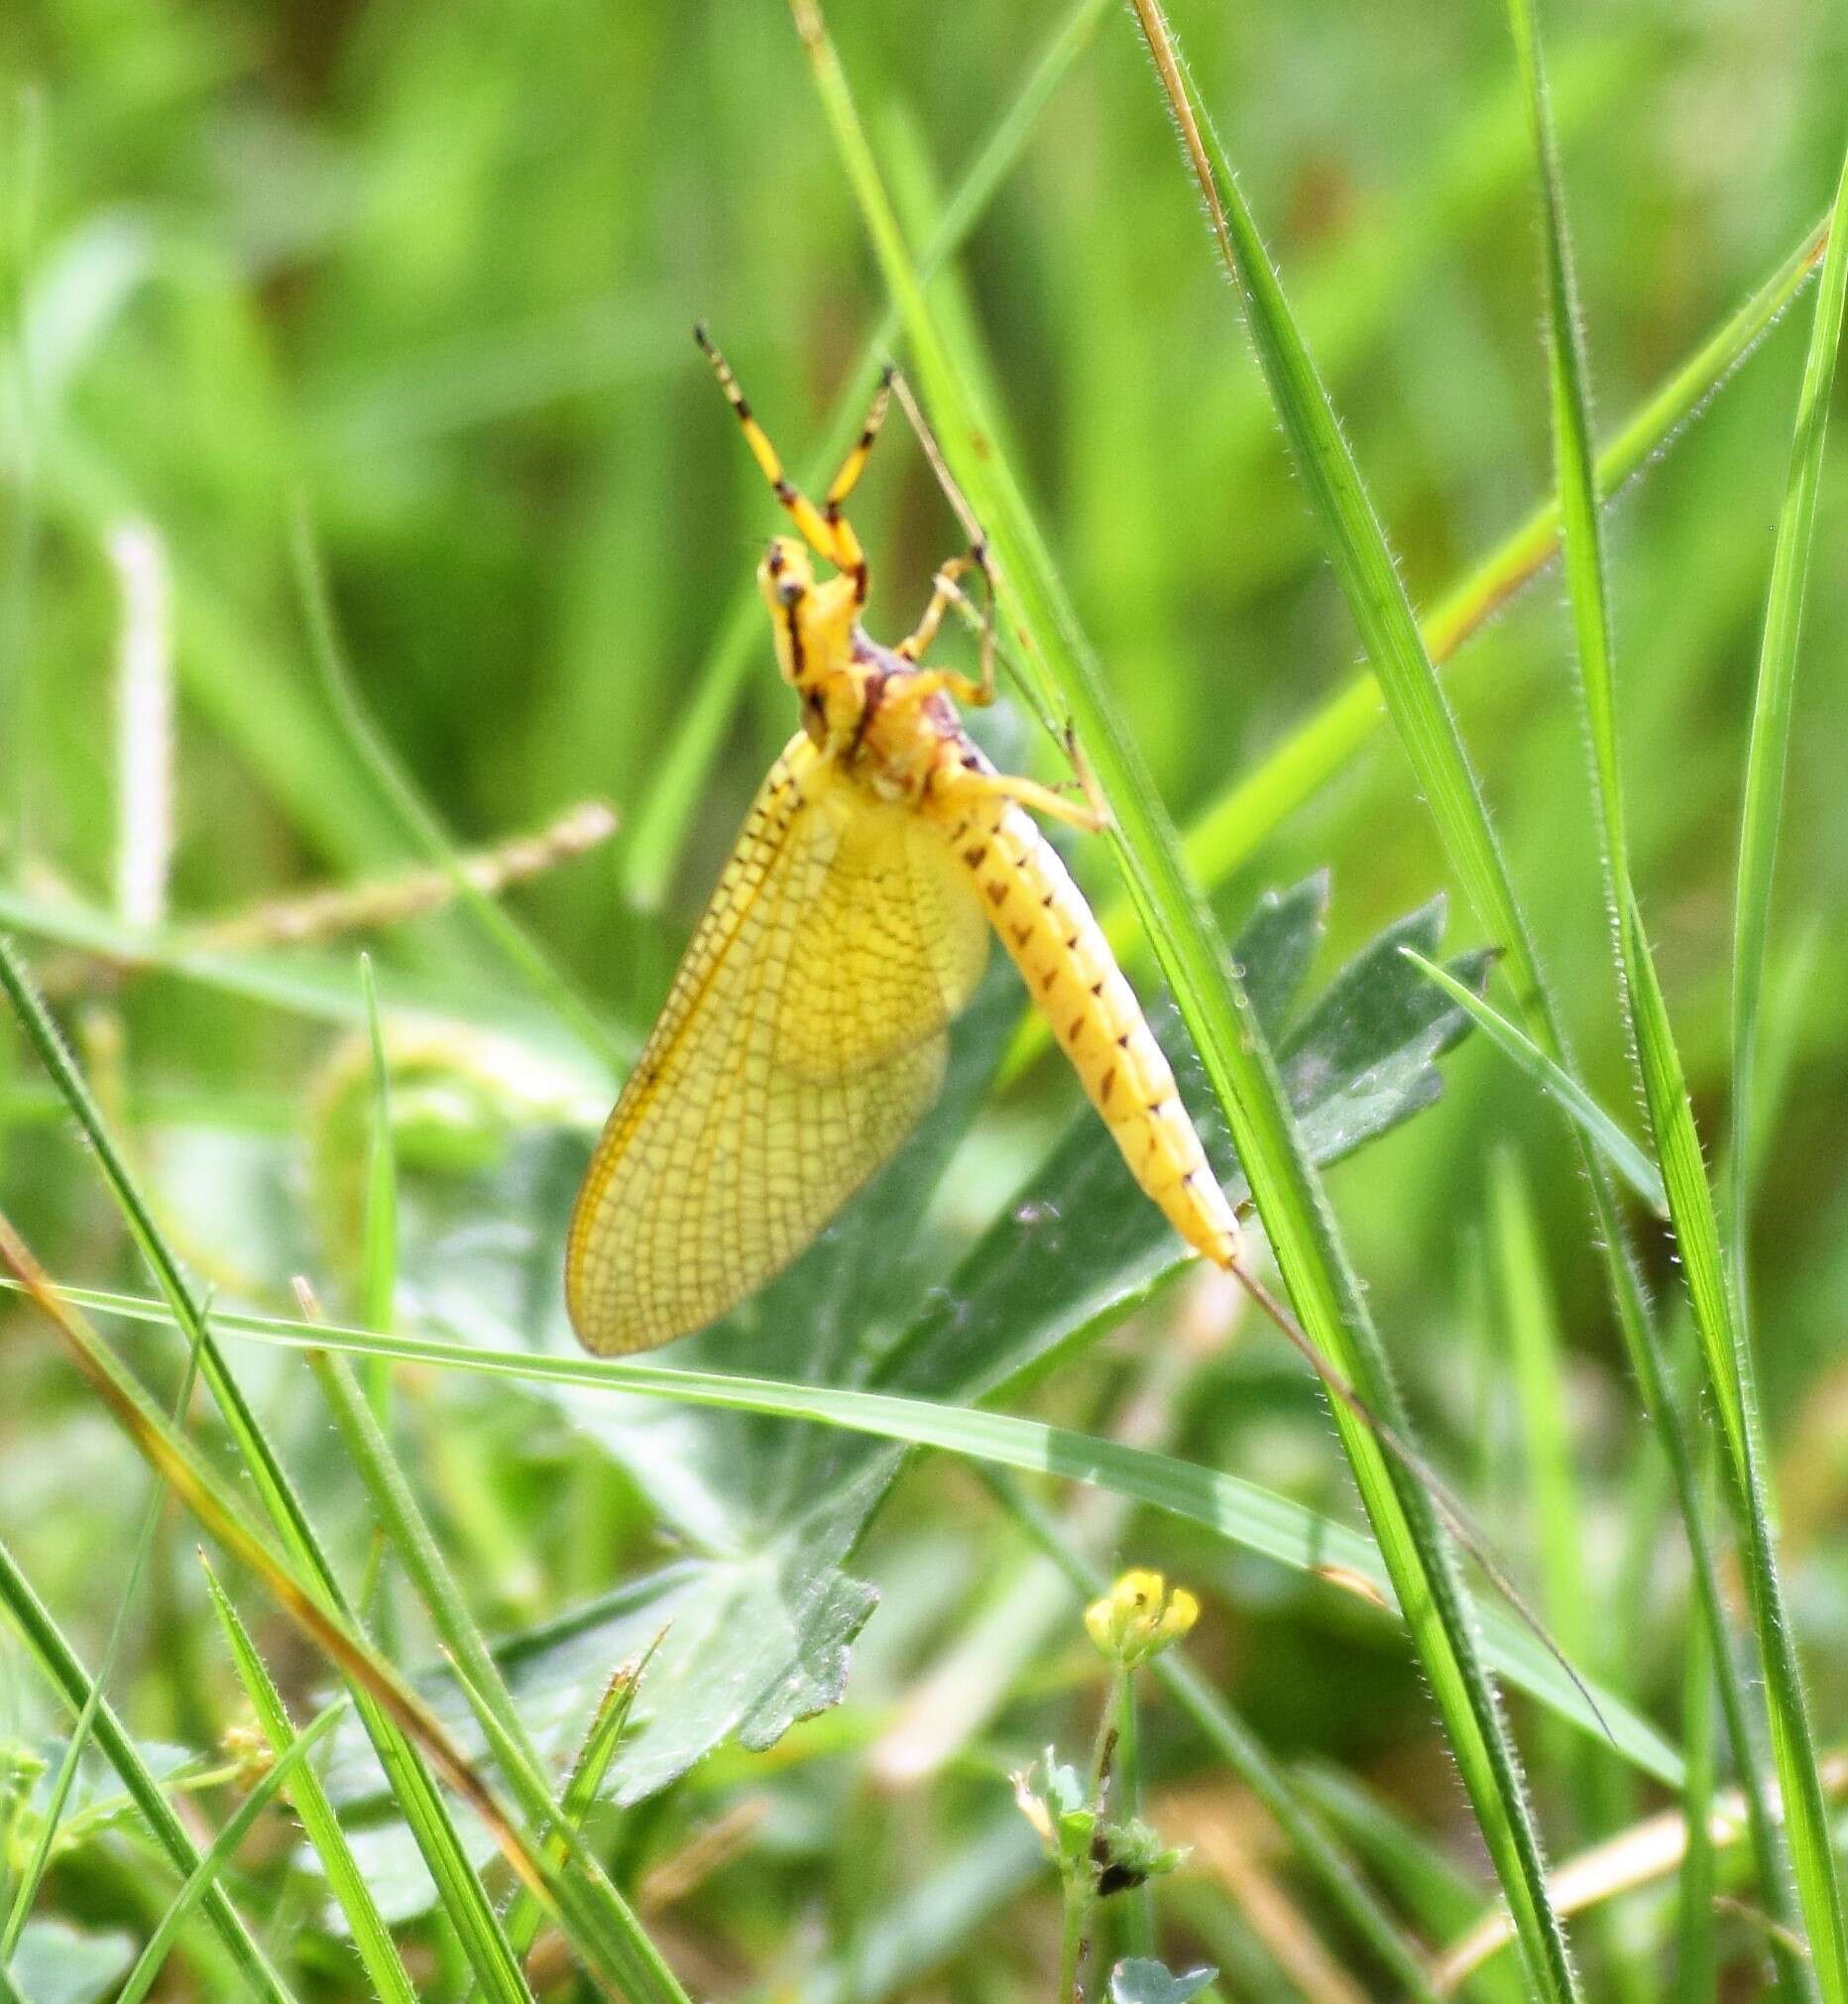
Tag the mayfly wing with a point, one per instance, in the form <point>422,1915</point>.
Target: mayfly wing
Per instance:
<point>803,1037</point>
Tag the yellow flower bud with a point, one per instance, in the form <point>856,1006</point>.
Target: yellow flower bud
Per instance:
<point>1138,1617</point>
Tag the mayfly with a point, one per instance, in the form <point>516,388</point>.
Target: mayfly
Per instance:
<point>807,1027</point>
<point>806,1030</point>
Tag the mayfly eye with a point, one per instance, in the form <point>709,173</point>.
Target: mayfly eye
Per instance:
<point>789,590</point>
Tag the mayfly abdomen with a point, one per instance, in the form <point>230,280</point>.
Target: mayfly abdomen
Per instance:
<point>1042,919</point>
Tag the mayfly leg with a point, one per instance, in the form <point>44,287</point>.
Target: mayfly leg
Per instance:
<point>947,593</point>
<point>825,529</point>
<point>1090,815</point>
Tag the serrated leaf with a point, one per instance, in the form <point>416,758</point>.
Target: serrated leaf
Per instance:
<point>1078,1242</point>
<point>760,1623</point>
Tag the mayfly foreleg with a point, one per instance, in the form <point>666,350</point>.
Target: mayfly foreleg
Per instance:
<point>827,537</point>
<point>947,593</point>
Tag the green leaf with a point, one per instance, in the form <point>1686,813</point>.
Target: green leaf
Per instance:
<point>1143,1980</point>
<point>758,1632</point>
<point>56,1963</point>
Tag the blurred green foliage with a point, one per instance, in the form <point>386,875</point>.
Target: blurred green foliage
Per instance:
<point>425,275</point>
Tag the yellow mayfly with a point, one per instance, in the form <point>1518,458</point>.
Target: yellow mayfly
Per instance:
<point>806,1030</point>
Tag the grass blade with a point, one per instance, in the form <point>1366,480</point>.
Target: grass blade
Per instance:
<point>292,1755</point>
<point>394,1717</point>
<point>66,1674</point>
<point>408,1535</point>
<point>1228,832</point>
<point>378,1277</point>
<point>1770,722</point>
<point>1352,537</point>
<point>79,1738</point>
<point>1409,683</point>
<point>1678,1145</point>
<point>1696,1978</point>
<point>601,1742</point>
<point>1730,1378</point>
<point>1600,1128</point>
<point>1241,1511</point>
<point>372,1938</point>
<point>592,1908</point>
<point>1323,1290</point>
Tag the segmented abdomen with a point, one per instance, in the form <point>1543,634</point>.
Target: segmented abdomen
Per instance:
<point>1041,917</point>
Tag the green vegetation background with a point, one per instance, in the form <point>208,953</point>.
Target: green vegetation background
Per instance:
<point>429,272</point>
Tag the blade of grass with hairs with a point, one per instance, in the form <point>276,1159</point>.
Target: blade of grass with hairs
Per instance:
<point>402,1726</point>
<point>1376,596</point>
<point>1730,1374</point>
<point>1241,1511</point>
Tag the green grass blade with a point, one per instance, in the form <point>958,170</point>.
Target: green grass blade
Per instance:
<point>1598,1126</point>
<point>1579,1619</point>
<point>378,1278</point>
<point>23,148</point>
<point>585,1779</point>
<point>1678,1145</point>
<point>397,1720</point>
<point>1229,831</point>
<point>522,952</point>
<point>1771,721</point>
<point>80,1737</point>
<point>1575,474</point>
<point>290,1758</point>
<point>372,1938</point>
<point>62,1670</point>
<point>1698,1236</point>
<point>408,1534</point>
<point>1533,1334</point>
<point>1409,682</point>
<point>1323,1290</point>
<point>665,813</point>
<point>1243,1512</point>
<point>1697,1975</point>
<point>1356,548</point>
<point>594,1913</point>
<point>309,1592</point>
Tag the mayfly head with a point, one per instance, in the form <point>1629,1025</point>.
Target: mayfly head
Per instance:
<point>813,619</point>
